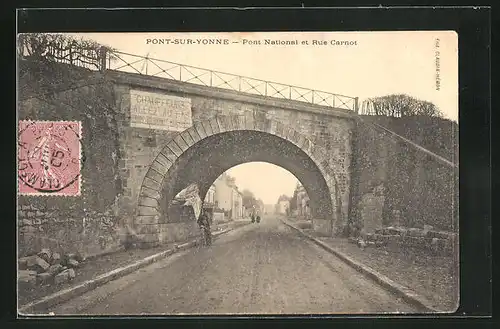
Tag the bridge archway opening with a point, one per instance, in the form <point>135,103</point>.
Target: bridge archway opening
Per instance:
<point>266,183</point>
<point>203,152</point>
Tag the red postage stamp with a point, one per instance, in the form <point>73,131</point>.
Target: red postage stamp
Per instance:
<point>49,158</point>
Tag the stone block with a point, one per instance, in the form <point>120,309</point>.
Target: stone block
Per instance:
<point>37,264</point>
<point>148,202</point>
<point>200,130</point>
<point>416,232</point>
<point>393,242</point>
<point>72,263</point>
<point>152,184</point>
<point>154,175</point>
<point>148,229</point>
<point>148,238</point>
<point>214,125</point>
<point>62,277</point>
<point>176,149</point>
<point>30,214</point>
<point>181,143</point>
<point>162,159</point>
<point>44,278</point>
<point>434,246</point>
<point>45,254</point>
<point>322,226</point>
<point>150,193</point>
<point>22,263</point>
<point>28,229</point>
<point>193,134</point>
<point>55,269</point>
<point>26,279</point>
<point>146,220</point>
<point>27,222</point>
<point>169,154</point>
<point>158,168</point>
<point>55,258</point>
<point>147,211</point>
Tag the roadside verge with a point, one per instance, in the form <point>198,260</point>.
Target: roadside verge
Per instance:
<point>64,295</point>
<point>408,295</point>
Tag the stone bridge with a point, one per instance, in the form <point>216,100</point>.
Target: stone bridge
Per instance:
<point>312,142</point>
<point>354,175</point>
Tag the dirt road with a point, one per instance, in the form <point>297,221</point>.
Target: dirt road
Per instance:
<point>261,268</point>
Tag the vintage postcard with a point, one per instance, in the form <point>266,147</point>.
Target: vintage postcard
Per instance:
<point>238,173</point>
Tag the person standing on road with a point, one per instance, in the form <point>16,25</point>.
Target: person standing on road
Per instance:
<point>204,223</point>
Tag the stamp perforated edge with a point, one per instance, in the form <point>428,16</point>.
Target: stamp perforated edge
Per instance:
<point>55,194</point>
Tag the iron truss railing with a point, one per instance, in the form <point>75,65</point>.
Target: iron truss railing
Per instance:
<point>103,59</point>
<point>121,61</point>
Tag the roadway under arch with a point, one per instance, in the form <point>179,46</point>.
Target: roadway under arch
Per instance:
<point>203,152</point>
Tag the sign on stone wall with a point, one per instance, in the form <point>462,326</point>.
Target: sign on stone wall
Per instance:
<point>159,111</point>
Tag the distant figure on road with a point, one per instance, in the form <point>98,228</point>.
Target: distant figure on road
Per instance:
<point>204,223</point>
<point>253,218</point>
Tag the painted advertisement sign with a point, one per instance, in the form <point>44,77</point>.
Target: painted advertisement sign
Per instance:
<point>159,111</point>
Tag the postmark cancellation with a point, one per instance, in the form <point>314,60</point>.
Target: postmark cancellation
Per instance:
<point>49,158</point>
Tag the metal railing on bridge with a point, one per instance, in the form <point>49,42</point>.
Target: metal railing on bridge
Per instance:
<point>108,59</point>
<point>121,61</point>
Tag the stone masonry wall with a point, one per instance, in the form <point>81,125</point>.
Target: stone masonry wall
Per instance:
<point>390,175</point>
<point>87,223</point>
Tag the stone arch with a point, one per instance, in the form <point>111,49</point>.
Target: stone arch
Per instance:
<point>168,165</point>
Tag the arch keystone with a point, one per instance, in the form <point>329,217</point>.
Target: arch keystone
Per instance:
<point>215,125</point>
<point>223,123</point>
<point>279,129</point>
<point>240,119</point>
<point>260,125</point>
<point>249,121</point>
<point>273,126</point>
<point>234,122</point>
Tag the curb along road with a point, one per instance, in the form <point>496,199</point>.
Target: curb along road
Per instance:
<point>72,292</point>
<point>405,293</point>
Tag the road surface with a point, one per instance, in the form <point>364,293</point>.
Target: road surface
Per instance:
<point>264,268</point>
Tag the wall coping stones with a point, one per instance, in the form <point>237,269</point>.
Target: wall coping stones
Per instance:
<point>150,82</point>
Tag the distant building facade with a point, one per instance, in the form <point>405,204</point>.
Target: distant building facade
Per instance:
<point>227,197</point>
<point>283,205</point>
<point>210,197</point>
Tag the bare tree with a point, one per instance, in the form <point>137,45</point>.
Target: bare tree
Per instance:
<point>51,47</point>
<point>399,105</point>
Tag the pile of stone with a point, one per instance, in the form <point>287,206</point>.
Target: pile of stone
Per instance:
<point>47,268</point>
<point>436,242</point>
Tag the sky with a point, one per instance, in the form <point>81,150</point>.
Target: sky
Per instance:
<point>375,64</point>
<point>265,180</point>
